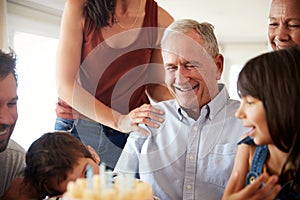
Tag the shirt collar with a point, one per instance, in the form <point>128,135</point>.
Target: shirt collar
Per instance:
<point>179,111</point>
<point>217,103</point>
<point>211,109</point>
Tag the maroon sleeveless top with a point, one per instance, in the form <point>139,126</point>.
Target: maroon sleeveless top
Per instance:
<point>116,76</point>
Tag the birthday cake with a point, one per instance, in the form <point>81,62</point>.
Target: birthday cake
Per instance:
<point>103,187</point>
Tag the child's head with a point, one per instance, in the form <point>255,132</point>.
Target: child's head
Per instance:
<point>55,159</point>
<point>274,79</point>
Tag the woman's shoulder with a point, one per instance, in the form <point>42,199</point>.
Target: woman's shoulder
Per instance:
<point>75,3</point>
<point>164,18</point>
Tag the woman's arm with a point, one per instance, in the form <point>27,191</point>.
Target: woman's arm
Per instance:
<point>68,64</point>
<point>156,74</point>
<point>159,92</point>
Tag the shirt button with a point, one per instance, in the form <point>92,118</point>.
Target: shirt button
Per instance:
<point>195,128</point>
<point>191,157</point>
<point>188,187</point>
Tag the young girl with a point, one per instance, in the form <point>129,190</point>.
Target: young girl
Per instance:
<point>268,158</point>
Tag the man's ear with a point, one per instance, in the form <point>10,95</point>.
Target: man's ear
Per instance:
<point>219,61</point>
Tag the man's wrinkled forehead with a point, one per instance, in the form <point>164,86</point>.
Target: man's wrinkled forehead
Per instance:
<point>184,46</point>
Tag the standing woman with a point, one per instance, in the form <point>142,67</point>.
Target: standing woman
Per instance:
<point>267,164</point>
<point>108,64</point>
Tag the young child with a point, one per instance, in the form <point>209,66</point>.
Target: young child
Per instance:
<point>268,158</point>
<point>52,161</point>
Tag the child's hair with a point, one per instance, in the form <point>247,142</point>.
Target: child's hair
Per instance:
<point>274,78</point>
<point>50,158</point>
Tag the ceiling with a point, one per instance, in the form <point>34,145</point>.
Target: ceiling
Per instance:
<point>234,20</point>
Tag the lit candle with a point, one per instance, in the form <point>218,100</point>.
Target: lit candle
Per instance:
<point>102,176</point>
<point>89,176</point>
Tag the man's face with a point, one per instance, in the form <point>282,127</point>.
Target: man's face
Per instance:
<point>8,109</point>
<point>284,24</point>
<point>191,73</point>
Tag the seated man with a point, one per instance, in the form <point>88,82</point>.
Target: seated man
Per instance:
<point>12,155</point>
<point>190,156</point>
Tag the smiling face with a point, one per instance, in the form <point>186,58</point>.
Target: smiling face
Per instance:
<point>284,25</point>
<point>252,113</point>
<point>191,73</point>
<point>79,171</point>
<point>8,109</point>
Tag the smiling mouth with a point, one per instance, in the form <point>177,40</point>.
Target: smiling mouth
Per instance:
<point>4,129</point>
<point>251,132</point>
<point>281,46</point>
<point>187,89</point>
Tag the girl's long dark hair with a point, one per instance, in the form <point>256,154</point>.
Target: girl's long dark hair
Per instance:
<point>101,12</point>
<point>274,78</point>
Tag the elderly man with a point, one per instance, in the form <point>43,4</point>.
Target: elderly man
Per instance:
<point>190,156</point>
<point>12,155</point>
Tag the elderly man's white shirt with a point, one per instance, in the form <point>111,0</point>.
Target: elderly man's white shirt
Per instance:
<point>184,158</point>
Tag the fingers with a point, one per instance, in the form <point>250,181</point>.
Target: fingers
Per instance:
<point>127,125</point>
<point>147,111</point>
<point>264,188</point>
<point>149,107</point>
<point>142,131</point>
<point>259,182</point>
<point>270,189</point>
<point>146,114</point>
<point>148,121</point>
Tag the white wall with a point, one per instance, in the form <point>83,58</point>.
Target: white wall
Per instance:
<point>236,55</point>
<point>33,35</point>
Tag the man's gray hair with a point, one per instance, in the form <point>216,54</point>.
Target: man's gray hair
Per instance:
<point>204,29</point>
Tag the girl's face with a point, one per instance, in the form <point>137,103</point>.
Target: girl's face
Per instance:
<point>252,113</point>
<point>79,171</point>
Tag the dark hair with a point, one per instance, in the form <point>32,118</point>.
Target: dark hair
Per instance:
<point>8,64</point>
<point>101,12</point>
<point>274,78</point>
<point>50,158</point>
